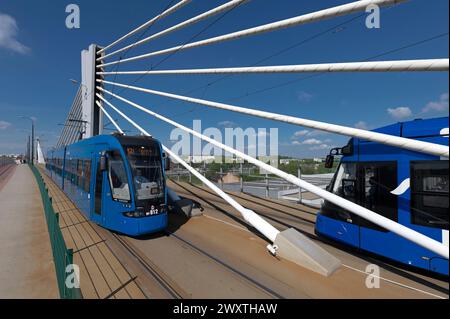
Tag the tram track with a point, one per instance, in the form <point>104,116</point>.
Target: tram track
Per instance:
<point>169,285</point>
<point>155,272</point>
<point>302,224</point>
<point>351,258</point>
<point>232,269</point>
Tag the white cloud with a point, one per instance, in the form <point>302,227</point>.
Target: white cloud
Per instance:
<point>303,96</point>
<point>312,141</point>
<point>400,112</point>
<point>362,125</point>
<point>320,147</point>
<point>296,143</point>
<point>4,125</point>
<point>8,33</point>
<point>300,133</point>
<point>437,106</point>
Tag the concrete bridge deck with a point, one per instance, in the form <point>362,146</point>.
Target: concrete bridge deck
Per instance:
<point>215,255</point>
<point>27,270</point>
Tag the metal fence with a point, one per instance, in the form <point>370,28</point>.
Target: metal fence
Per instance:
<point>62,256</point>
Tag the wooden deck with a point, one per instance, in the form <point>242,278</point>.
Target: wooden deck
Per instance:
<point>102,275</point>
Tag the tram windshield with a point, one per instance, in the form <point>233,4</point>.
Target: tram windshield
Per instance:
<point>345,181</point>
<point>118,177</point>
<point>146,166</point>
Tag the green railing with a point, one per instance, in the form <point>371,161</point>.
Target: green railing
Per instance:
<point>62,256</point>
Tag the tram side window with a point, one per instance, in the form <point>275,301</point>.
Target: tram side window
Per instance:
<point>429,194</point>
<point>118,177</point>
<point>87,175</point>
<point>79,172</point>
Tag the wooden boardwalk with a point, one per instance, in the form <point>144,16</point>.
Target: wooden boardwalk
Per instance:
<point>102,275</point>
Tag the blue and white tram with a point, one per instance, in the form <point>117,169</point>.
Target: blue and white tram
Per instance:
<point>117,181</point>
<point>408,187</point>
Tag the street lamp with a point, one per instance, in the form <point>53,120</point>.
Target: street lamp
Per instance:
<point>80,84</point>
<point>32,135</point>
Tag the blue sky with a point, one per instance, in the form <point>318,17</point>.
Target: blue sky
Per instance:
<point>38,56</point>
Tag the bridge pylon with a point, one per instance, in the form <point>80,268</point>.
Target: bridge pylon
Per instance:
<point>91,113</point>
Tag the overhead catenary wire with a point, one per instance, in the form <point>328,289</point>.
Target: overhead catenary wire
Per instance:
<point>227,6</point>
<point>291,22</point>
<point>396,141</point>
<point>167,12</point>
<point>363,212</point>
<point>375,66</point>
<point>250,216</point>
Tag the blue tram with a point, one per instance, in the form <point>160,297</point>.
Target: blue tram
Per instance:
<point>117,181</point>
<point>408,187</point>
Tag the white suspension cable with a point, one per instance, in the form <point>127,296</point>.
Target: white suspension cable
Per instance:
<point>303,19</point>
<point>396,141</point>
<point>109,117</point>
<point>363,212</point>
<point>169,11</point>
<point>250,216</point>
<point>375,66</point>
<point>118,111</point>
<point>227,6</point>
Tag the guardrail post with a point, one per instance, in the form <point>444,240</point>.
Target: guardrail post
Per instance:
<point>300,196</point>
<point>241,171</point>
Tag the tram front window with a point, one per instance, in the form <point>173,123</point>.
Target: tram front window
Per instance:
<point>118,177</point>
<point>345,181</point>
<point>146,166</point>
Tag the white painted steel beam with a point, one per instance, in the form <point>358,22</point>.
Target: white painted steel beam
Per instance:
<point>227,6</point>
<point>396,141</point>
<point>375,66</point>
<point>250,216</point>
<point>169,11</point>
<point>363,212</point>
<point>337,11</point>
<point>109,117</point>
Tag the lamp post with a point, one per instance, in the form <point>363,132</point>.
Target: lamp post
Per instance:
<point>81,85</point>
<point>32,136</point>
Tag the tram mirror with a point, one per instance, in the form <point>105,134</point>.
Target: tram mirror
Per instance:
<point>167,163</point>
<point>329,161</point>
<point>348,149</point>
<point>103,163</point>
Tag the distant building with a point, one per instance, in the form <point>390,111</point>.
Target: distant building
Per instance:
<point>196,159</point>
<point>287,161</point>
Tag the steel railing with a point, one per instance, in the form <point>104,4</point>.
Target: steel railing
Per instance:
<point>62,256</point>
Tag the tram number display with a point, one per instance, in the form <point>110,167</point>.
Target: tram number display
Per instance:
<point>140,151</point>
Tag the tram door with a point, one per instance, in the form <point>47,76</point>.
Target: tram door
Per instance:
<point>97,215</point>
<point>376,181</point>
